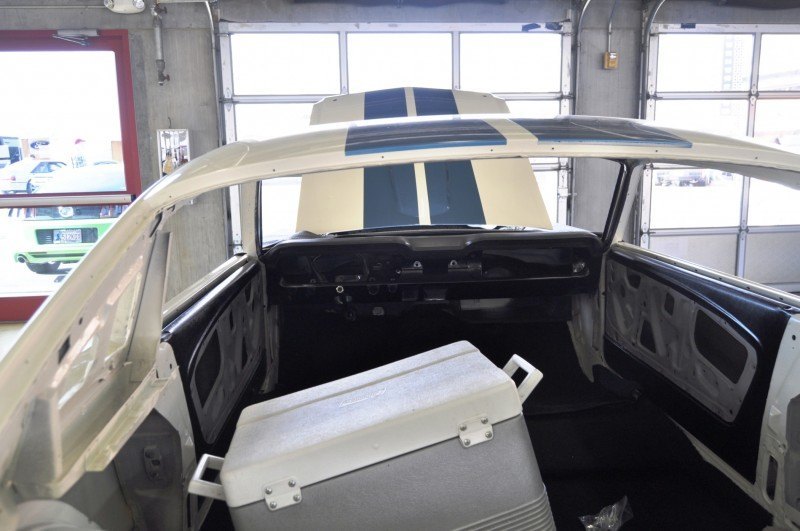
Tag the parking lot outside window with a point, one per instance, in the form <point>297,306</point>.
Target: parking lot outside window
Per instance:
<point>735,81</point>
<point>67,171</point>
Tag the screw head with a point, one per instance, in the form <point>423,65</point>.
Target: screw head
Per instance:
<point>292,483</point>
<point>484,420</point>
<point>467,442</point>
<point>296,497</point>
<point>273,505</point>
<point>268,491</point>
<point>488,434</point>
<point>463,427</point>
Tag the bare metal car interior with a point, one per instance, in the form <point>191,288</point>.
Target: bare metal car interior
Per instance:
<point>644,361</point>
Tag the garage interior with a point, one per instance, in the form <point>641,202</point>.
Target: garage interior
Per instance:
<point>189,99</point>
<point>182,72</point>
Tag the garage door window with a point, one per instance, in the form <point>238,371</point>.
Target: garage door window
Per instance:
<point>385,60</point>
<point>734,81</point>
<point>277,72</point>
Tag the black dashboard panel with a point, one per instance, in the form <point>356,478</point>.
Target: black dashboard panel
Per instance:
<point>430,269</point>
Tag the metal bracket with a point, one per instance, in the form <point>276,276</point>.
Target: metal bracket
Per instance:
<point>475,431</point>
<point>283,493</point>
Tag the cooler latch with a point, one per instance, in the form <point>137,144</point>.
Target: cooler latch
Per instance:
<point>475,431</point>
<point>282,493</point>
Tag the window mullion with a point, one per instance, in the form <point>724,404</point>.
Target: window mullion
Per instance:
<point>456,59</point>
<point>344,74</point>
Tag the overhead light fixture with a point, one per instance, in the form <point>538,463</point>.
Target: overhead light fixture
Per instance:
<point>125,6</point>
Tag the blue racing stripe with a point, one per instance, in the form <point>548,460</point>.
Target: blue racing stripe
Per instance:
<point>390,196</point>
<point>364,139</point>
<point>389,103</point>
<point>591,131</point>
<point>430,102</point>
<point>453,193</point>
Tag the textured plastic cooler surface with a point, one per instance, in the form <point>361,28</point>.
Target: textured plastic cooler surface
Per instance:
<point>326,431</point>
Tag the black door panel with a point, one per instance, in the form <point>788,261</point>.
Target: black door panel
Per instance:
<point>703,350</point>
<point>219,343</point>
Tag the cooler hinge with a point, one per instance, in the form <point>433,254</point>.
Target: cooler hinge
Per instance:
<point>283,493</point>
<point>475,431</point>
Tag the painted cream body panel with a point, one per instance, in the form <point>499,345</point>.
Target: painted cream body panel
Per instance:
<point>509,193</point>
<point>331,201</point>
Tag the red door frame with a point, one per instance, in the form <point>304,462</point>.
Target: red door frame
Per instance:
<point>20,308</point>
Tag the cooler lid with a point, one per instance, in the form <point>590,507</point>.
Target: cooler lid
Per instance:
<point>341,426</point>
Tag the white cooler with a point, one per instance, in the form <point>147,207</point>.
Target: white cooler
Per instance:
<point>434,441</point>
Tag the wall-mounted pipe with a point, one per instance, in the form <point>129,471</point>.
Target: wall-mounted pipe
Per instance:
<point>215,62</point>
<point>644,57</point>
<point>576,47</point>
<point>610,20</point>
<point>161,65</point>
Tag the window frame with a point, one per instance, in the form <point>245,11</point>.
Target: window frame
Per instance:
<point>230,99</point>
<point>21,307</point>
<point>644,233</point>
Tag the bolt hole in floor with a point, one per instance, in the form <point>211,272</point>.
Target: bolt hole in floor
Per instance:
<point>593,445</point>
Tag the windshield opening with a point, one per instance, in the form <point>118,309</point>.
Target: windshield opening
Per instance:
<point>454,195</point>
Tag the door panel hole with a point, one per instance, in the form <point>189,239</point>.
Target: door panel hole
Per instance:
<point>772,477</point>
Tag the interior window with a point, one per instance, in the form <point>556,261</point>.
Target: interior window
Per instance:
<point>53,148</point>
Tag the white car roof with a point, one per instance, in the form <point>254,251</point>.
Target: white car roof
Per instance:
<point>415,139</point>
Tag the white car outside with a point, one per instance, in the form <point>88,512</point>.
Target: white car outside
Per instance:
<point>26,176</point>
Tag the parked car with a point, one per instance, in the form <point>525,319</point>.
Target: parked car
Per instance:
<point>27,175</point>
<point>50,236</point>
<point>684,177</point>
<point>665,381</point>
<point>101,176</point>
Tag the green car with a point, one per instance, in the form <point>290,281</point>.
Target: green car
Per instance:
<point>51,236</point>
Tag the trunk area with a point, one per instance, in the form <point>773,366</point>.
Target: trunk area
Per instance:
<point>593,445</point>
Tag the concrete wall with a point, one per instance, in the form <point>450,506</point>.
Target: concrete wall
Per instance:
<point>187,101</point>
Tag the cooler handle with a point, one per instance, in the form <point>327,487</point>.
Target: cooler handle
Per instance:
<point>531,380</point>
<point>201,487</point>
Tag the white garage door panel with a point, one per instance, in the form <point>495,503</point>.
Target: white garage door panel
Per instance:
<point>717,251</point>
<point>773,258</point>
